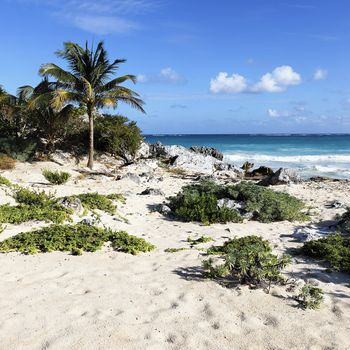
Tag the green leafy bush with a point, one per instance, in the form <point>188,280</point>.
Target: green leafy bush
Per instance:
<point>344,222</point>
<point>5,182</point>
<point>73,238</point>
<point>117,135</point>
<point>24,212</point>
<point>199,202</point>
<point>202,239</point>
<point>310,297</point>
<point>7,163</point>
<point>56,177</point>
<point>248,260</point>
<point>37,198</point>
<point>334,249</point>
<point>91,201</point>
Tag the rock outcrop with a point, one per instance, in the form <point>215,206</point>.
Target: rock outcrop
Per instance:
<point>208,151</point>
<point>282,176</point>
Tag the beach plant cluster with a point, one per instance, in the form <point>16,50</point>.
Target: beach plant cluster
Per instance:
<point>56,177</point>
<point>199,202</point>
<point>73,238</point>
<point>42,206</point>
<point>7,163</point>
<point>334,250</point>
<point>5,182</point>
<point>344,222</point>
<point>247,260</point>
<point>310,297</point>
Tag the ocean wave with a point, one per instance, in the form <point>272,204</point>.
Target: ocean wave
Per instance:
<point>316,159</point>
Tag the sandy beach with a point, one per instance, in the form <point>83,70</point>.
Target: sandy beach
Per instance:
<point>159,300</point>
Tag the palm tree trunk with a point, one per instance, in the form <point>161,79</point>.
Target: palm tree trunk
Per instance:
<point>90,163</point>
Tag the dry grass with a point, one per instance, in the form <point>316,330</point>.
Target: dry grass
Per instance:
<point>7,163</point>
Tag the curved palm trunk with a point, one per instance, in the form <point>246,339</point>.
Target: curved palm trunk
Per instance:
<point>90,163</point>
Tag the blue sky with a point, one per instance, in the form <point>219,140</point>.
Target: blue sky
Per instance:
<point>226,66</point>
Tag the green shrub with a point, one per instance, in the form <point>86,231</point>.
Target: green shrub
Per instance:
<point>202,239</point>
<point>24,212</point>
<point>73,238</point>
<point>126,243</point>
<point>334,249</point>
<point>117,135</point>
<point>56,177</point>
<point>92,201</point>
<point>310,297</point>
<point>199,203</point>
<point>7,163</point>
<point>5,182</point>
<point>37,198</point>
<point>249,260</point>
<point>344,222</point>
<point>22,149</point>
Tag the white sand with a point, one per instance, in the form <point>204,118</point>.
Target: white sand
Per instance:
<point>158,300</point>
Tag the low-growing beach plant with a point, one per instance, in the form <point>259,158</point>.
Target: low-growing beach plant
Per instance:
<point>199,202</point>
<point>310,297</point>
<point>5,182</point>
<point>334,250</point>
<point>56,177</point>
<point>344,222</point>
<point>7,163</point>
<point>23,212</point>
<point>94,200</point>
<point>202,239</point>
<point>247,260</point>
<point>75,239</point>
<point>36,198</point>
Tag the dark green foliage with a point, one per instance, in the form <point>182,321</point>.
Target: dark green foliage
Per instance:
<point>126,243</point>
<point>117,135</point>
<point>24,212</point>
<point>5,182</point>
<point>266,204</point>
<point>344,222</point>
<point>22,149</point>
<point>334,249</point>
<point>202,239</point>
<point>36,198</point>
<point>73,238</point>
<point>249,260</point>
<point>91,201</point>
<point>199,203</point>
<point>56,177</point>
<point>310,297</point>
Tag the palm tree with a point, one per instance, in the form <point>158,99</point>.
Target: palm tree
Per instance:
<point>49,123</point>
<point>87,82</point>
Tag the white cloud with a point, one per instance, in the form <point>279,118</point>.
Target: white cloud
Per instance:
<point>277,81</point>
<point>273,113</point>
<point>228,84</point>
<point>103,24</point>
<point>320,74</point>
<point>166,75</point>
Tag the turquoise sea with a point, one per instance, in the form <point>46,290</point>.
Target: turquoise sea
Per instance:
<point>310,154</point>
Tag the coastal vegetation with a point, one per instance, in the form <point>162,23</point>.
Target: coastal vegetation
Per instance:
<point>63,112</point>
<point>208,203</point>
<point>334,250</point>
<point>56,177</point>
<point>42,206</point>
<point>7,163</point>
<point>247,260</point>
<point>74,238</point>
<point>310,297</point>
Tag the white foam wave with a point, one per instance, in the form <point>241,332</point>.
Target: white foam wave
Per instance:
<point>316,159</point>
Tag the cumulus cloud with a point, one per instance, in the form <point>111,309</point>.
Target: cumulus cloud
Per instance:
<point>277,81</point>
<point>320,74</point>
<point>228,84</point>
<point>166,75</point>
<point>273,113</point>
